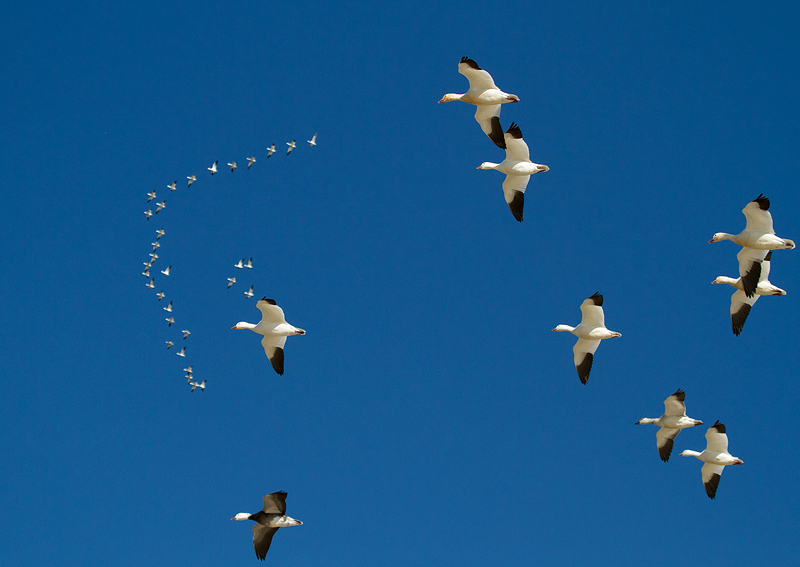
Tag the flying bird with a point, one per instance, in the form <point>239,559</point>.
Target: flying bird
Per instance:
<point>168,307</point>
<point>188,370</point>
<point>275,329</point>
<point>231,281</point>
<point>160,233</point>
<point>186,334</point>
<point>271,517</point>
<point>758,232</point>
<point>250,161</point>
<point>313,140</point>
<point>151,285</point>
<point>151,196</point>
<point>291,147</point>
<point>169,321</point>
<point>160,206</point>
<point>249,263</point>
<point>166,272</point>
<point>160,295</point>
<point>155,245</point>
<point>484,94</point>
<point>240,265</point>
<point>270,150</point>
<point>590,332</point>
<point>518,169</point>
<point>169,344</point>
<point>201,385</point>
<point>181,352</point>
<point>148,213</point>
<point>146,273</point>
<point>213,168</point>
<point>192,179</point>
<point>232,165</point>
<point>740,301</point>
<point>173,186</point>
<point>671,423</point>
<point>249,293</point>
<point>715,457</point>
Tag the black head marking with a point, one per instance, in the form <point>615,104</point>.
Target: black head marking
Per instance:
<point>738,319</point>
<point>517,204</point>
<point>585,367</point>
<point>762,201</point>
<point>719,427</point>
<point>470,62</point>
<point>514,131</point>
<point>597,299</point>
<point>680,395</point>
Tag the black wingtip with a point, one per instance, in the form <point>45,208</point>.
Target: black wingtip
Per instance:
<point>470,62</point>
<point>711,486</point>
<point>762,201</point>
<point>270,301</point>
<point>665,451</point>
<point>517,204</point>
<point>768,257</point>
<point>738,319</point>
<point>597,299</point>
<point>277,360</point>
<point>514,131</point>
<point>680,395</point>
<point>719,427</point>
<point>585,367</point>
<point>496,134</point>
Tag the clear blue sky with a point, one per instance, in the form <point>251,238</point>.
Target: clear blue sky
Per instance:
<point>428,416</point>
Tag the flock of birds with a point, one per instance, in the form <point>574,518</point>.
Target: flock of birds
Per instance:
<point>272,323</point>
<point>758,240</point>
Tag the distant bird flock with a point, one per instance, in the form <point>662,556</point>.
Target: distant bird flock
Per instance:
<point>757,240</point>
<point>273,326</point>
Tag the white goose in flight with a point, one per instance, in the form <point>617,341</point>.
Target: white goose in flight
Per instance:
<point>518,169</point>
<point>151,196</point>
<point>275,329</point>
<point>250,161</point>
<point>232,165</point>
<point>271,517</point>
<point>484,94</point>
<point>173,187</point>
<point>192,179</point>
<point>291,147</point>
<point>148,213</point>
<point>590,332</point>
<point>159,233</point>
<point>166,272</point>
<point>249,293</point>
<point>671,423</point>
<point>715,457</point>
<point>201,385</point>
<point>213,168</point>
<point>313,140</point>
<point>741,302</point>
<point>758,232</point>
<point>231,281</point>
<point>270,150</point>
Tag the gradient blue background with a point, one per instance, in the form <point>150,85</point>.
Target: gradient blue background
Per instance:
<point>429,416</point>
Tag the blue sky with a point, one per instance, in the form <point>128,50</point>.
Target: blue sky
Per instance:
<point>428,416</point>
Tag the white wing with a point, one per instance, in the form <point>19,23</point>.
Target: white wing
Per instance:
<point>270,311</point>
<point>273,347</point>
<point>716,441</point>
<point>674,405</point>
<point>488,116</point>
<point>516,148</point>
<point>478,78</point>
<point>592,315</point>
<point>758,220</point>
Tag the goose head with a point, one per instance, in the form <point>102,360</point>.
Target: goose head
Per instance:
<point>451,96</point>
<point>243,325</point>
<point>720,236</point>
<point>241,516</point>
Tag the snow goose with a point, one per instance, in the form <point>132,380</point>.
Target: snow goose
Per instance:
<point>270,150</point>
<point>201,385</point>
<point>168,308</point>
<point>155,245</point>
<point>250,161</point>
<point>169,344</point>
<point>153,257</point>
<point>159,233</point>
<point>151,196</point>
<point>174,185</point>
<point>182,352</point>
<point>232,165</point>
<point>740,301</point>
<point>313,140</point>
<point>249,293</point>
<point>213,168</point>
<point>590,332</point>
<point>148,213</point>
<point>484,94</point>
<point>166,272</point>
<point>291,147</point>
<point>715,457</point>
<point>518,169</point>
<point>185,334</point>
<point>160,295</point>
<point>271,517</point>
<point>151,285</point>
<point>170,321</point>
<point>192,179</point>
<point>758,232</point>
<point>671,423</point>
<point>188,369</point>
<point>161,205</point>
<point>146,273</point>
<point>240,265</point>
<point>249,263</point>
<point>275,329</point>
<point>231,281</point>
